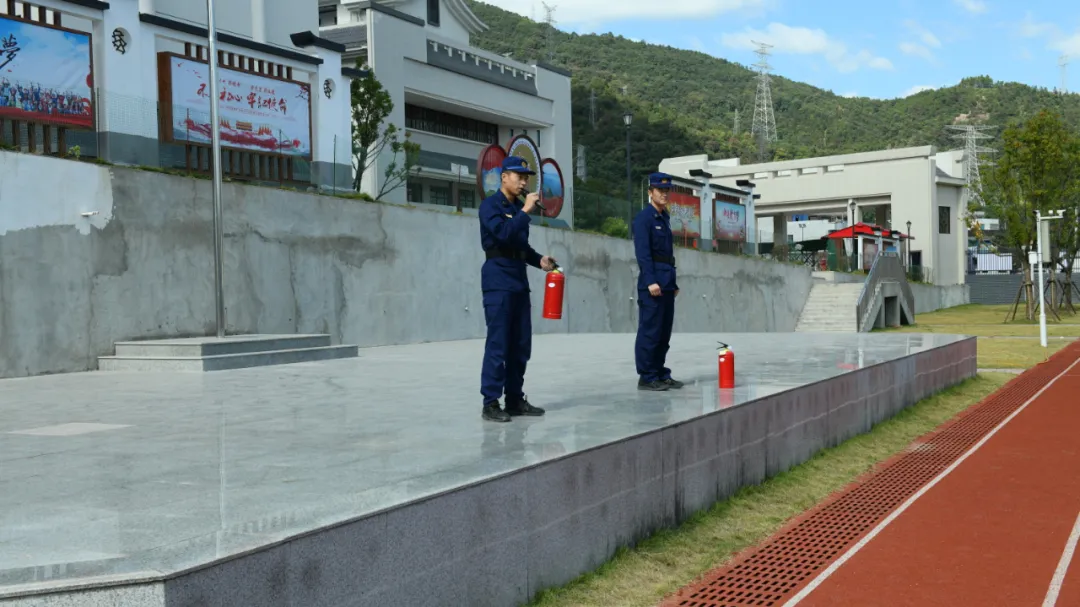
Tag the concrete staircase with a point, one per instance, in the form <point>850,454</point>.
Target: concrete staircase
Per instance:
<point>831,307</point>
<point>230,352</point>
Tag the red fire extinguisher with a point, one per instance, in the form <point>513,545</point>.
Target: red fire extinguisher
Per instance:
<point>553,294</point>
<point>725,360</point>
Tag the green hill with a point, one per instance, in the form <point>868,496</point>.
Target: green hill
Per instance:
<point>684,102</point>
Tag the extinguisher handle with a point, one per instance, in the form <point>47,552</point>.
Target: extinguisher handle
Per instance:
<point>723,345</point>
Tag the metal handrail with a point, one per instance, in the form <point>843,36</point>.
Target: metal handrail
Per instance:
<point>886,268</point>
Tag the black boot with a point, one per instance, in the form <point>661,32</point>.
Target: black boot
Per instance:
<point>523,408</point>
<point>674,384</point>
<point>493,413</point>
<point>652,386</point>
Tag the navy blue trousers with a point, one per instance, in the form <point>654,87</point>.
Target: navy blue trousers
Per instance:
<point>508,347</point>
<point>655,318</point>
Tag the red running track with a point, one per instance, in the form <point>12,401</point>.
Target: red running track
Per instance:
<point>996,528</point>
<point>984,510</point>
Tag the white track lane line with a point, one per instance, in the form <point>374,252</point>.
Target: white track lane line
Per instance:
<point>1063,566</point>
<point>824,575</point>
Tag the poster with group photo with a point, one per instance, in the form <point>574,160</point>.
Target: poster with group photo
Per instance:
<point>257,113</point>
<point>45,74</point>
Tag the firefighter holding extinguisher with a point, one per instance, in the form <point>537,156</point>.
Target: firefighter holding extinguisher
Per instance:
<point>657,288</point>
<point>504,236</point>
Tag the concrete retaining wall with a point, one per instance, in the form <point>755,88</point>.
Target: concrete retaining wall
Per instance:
<point>928,298</point>
<point>141,266</point>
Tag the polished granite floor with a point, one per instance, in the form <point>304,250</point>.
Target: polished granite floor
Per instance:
<point>105,474</point>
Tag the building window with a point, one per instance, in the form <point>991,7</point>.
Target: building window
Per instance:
<point>414,191</point>
<point>443,123</point>
<point>433,12</point>
<point>944,223</point>
<point>440,195</point>
<point>466,197</point>
<point>327,16</point>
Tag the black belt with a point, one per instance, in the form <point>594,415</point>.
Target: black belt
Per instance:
<point>667,260</point>
<point>506,254</point>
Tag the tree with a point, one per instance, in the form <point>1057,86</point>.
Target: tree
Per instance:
<point>1067,234</point>
<point>395,176</point>
<point>371,105</point>
<point>1036,171</point>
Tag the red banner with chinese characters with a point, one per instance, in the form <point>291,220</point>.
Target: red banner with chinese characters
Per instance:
<point>257,113</point>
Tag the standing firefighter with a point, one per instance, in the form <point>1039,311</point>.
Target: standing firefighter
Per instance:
<point>504,236</point>
<point>657,287</point>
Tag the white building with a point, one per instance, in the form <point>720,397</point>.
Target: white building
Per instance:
<point>916,185</point>
<point>801,228</point>
<point>143,64</point>
<point>452,98</point>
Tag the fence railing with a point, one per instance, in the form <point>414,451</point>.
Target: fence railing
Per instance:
<point>1003,260</point>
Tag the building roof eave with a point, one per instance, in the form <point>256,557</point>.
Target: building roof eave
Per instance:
<point>472,23</point>
<point>954,181</point>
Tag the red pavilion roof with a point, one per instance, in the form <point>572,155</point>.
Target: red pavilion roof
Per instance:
<point>865,229</point>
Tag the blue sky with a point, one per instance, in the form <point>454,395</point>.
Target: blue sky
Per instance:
<point>883,49</point>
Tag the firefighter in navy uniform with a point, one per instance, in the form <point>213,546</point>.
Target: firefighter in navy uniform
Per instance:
<point>657,287</point>
<point>504,236</point>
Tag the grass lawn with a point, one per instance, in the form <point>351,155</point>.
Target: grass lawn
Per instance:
<point>986,323</point>
<point>672,559</point>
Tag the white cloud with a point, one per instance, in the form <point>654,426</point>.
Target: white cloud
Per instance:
<point>1049,33</point>
<point>1030,28</point>
<point>918,50</point>
<point>1068,46</point>
<point>927,40</point>
<point>850,95</point>
<point>595,11</point>
<point>925,36</point>
<point>917,89</point>
<point>972,6</point>
<point>790,40</point>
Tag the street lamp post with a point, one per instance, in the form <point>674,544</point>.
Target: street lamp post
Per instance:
<point>215,168</point>
<point>907,252</point>
<point>628,119</point>
<point>802,232</point>
<point>1039,259</point>
<point>854,237</point>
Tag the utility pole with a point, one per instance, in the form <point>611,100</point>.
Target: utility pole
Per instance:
<point>764,120</point>
<point>971,135</point>
<point>1039,218</point>
<point>1063,63</point>
<point>549,34</point>
<point>592,108</point>
<point>735,131</point>
<point>215,155</point>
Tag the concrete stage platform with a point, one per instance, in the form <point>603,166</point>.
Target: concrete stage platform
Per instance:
<point>373,480</point>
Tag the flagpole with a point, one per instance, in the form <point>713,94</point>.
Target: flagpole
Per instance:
<point>215,169</point>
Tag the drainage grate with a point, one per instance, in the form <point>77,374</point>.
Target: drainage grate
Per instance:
<point>772,572</point>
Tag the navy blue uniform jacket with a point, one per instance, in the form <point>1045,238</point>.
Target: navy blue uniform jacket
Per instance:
<point>503,225</point>
<point>652,239</point>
